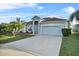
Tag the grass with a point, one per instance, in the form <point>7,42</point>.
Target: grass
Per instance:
<point>7,37</point>
<point>70,46</point>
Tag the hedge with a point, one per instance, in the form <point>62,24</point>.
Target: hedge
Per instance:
<point>66,32</point>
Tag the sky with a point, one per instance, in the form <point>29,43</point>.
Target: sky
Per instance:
<point>10,11</point>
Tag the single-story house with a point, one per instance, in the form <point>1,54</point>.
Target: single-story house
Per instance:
<point>46,26</point>
<point>75,25</point>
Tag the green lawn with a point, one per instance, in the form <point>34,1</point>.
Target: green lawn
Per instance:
<point>5,38</point>
<point>70,46</point>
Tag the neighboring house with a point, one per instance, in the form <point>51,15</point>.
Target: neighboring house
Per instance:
<point>74,21</point>
<point>46,26</point>
<point>29,26</point>
<point>74,25</point>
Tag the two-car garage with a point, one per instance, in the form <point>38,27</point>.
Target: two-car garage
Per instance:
<point>51,29</point>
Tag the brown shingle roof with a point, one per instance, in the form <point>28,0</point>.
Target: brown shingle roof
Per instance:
<point>52,19</point>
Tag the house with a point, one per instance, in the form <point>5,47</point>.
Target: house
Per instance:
<point>29,26</point>
<point>74,25</point>
<point>46,26</point>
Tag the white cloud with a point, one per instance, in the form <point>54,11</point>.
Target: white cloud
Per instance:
<point>57,15</point>
<point>4,6</point>
<point>31,4</point>
<point>34,5</point>
<point>12,17</point>
<point>20,14</point>
<point>5,20</point>
<point>40,7</point>
<point>69,10</point>
<point>10,6</point>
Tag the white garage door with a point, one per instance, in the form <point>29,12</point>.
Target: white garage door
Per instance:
<point>51,30</point>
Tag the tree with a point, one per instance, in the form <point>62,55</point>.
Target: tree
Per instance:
<point>3,27</point>
<point>74,15</point>
<point>19,24</point>
<point>14,25</point>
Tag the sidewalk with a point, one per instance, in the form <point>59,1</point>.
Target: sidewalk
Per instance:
<point>7,51</point>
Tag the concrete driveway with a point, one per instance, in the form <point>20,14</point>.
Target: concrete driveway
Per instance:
<point>39,45</point>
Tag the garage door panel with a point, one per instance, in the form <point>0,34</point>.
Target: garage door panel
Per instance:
<point>50,30</point>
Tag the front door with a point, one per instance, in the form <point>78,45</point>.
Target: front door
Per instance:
<point>36,27</point>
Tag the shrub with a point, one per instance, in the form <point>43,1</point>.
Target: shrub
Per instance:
<point>66,32</point>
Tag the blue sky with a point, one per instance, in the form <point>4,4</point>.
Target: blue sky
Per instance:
<point>9,12</point>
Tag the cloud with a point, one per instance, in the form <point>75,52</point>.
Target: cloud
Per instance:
<point>31,5</point>
<point>12,17</point>
<point>69,10</point>
<point>10,6</point>
<point>34,5</point>
<point>40,7</point>
<point>20,14</point>
<point>57,15</point>
<point>4,6</point>
<point>6,20</point>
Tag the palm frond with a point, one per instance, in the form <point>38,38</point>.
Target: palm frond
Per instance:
<point>75,14</point>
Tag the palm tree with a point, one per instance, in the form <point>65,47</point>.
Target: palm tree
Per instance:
<point>20,24</point>
<point>74,15</point>
<point>16,26</point>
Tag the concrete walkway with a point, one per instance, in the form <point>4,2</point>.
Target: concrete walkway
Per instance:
<point>39,45</point>
<point>9,51</point>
